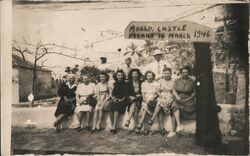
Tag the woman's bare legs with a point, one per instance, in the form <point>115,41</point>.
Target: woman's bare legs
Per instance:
<point>88,119</point>
<point>59,119</point>
<point>95,118</point>
<point>131,113</point>
<point>80,117</point>
<point>177,117</point>
<point>156,112</point>
<point>143,116</point>
<point>111,116</point>
<point>116,115</point>
<point>160,119</point>
<point>99,119</point>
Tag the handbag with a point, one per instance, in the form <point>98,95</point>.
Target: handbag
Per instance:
<point>107,105</point>
<point>152,104</point>
<point>91,101</point>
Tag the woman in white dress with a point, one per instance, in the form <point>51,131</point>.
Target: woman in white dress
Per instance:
<point>103,93</point>
<point>85,101</point>
<point>149,95</point>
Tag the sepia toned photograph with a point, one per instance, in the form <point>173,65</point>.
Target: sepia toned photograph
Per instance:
<point>135,77</point>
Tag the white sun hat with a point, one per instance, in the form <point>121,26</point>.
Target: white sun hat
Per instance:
<point>158,52</point>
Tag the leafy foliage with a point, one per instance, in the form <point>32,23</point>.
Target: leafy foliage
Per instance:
<point>238,120</point>
<point>92,72</point>
<point>133,50</point>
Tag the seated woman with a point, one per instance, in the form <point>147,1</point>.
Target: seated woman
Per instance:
<point>103,94</point>
<point>85,101</point>
<point>149,96</point>
<point>134,79</point>
<point>67,102</point>
<point>165,98</point>
<point>184,97</point>
<point>120,98</point>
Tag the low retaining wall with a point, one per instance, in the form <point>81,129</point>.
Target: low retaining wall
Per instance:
<point>43,117</point>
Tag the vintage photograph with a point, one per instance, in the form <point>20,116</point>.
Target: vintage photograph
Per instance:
<point>130,77</point>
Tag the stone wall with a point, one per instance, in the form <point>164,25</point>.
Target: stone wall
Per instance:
<point>43,117</point>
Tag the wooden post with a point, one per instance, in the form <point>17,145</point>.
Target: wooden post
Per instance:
<point>207,123</point>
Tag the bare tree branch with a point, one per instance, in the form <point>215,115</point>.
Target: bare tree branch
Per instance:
<point>42,63</point>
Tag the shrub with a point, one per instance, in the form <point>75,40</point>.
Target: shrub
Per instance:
<point>92,73</point>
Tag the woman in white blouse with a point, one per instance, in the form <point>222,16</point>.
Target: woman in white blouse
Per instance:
<point>103,94</point>
<point>85,101</point>
<point>149,90</point>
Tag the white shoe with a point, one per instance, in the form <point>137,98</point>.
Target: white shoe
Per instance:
<point>171,134</point>
<point>179,128</point>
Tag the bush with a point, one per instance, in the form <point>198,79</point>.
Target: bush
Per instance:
<point>92,73</point>
<point>238,120</point>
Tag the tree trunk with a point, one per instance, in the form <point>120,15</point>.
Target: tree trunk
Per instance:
<point>234,77</point>
<point>207,123</point>
<point>34,83</point>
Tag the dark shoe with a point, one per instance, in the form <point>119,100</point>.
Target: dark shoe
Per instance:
<point>88,128</point>
<point>163,131</point>
<point>146,132</point>
<point>111,130</point>
<point>58,129</point>
<point>114,131</point>
<point>78,129</point>
<point>127,123</point>
<point>92,131</point>
<point>98,130</point>
<point>55,124</point>
<point>150,122</point>
<point>138,129</point>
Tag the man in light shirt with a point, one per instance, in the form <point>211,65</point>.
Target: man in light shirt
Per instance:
<point>127,66</point>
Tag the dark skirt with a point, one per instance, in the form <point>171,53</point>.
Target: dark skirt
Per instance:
<point>120,107</point>
<point>187,109</point>
<point>64,109</point>
<point>138,102</point>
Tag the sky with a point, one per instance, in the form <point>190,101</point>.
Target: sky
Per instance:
<point>75,28</point>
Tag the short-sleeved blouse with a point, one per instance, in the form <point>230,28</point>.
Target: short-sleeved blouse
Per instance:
<point>102,91</point>
<point>185,88</point>
<point>83,90</point>
<point>149,90</point>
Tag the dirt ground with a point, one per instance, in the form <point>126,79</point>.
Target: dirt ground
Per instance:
<point>47,141</point>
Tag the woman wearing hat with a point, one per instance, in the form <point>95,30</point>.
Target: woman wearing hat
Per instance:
<point>67,102</point>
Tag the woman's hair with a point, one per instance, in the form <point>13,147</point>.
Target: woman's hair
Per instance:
<point>167,69</point>
<point>147,72</point>
<point>134,70</point>
<point>69,76</point>
<point>115,75</point>
<point>82,75</point>
<point>128,58</point>
<point>103,73</point>
<point>185,68</point>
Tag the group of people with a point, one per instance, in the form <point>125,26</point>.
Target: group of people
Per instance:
<point>144,97</point>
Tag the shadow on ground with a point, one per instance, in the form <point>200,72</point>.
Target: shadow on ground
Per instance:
<point>47,141</point>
